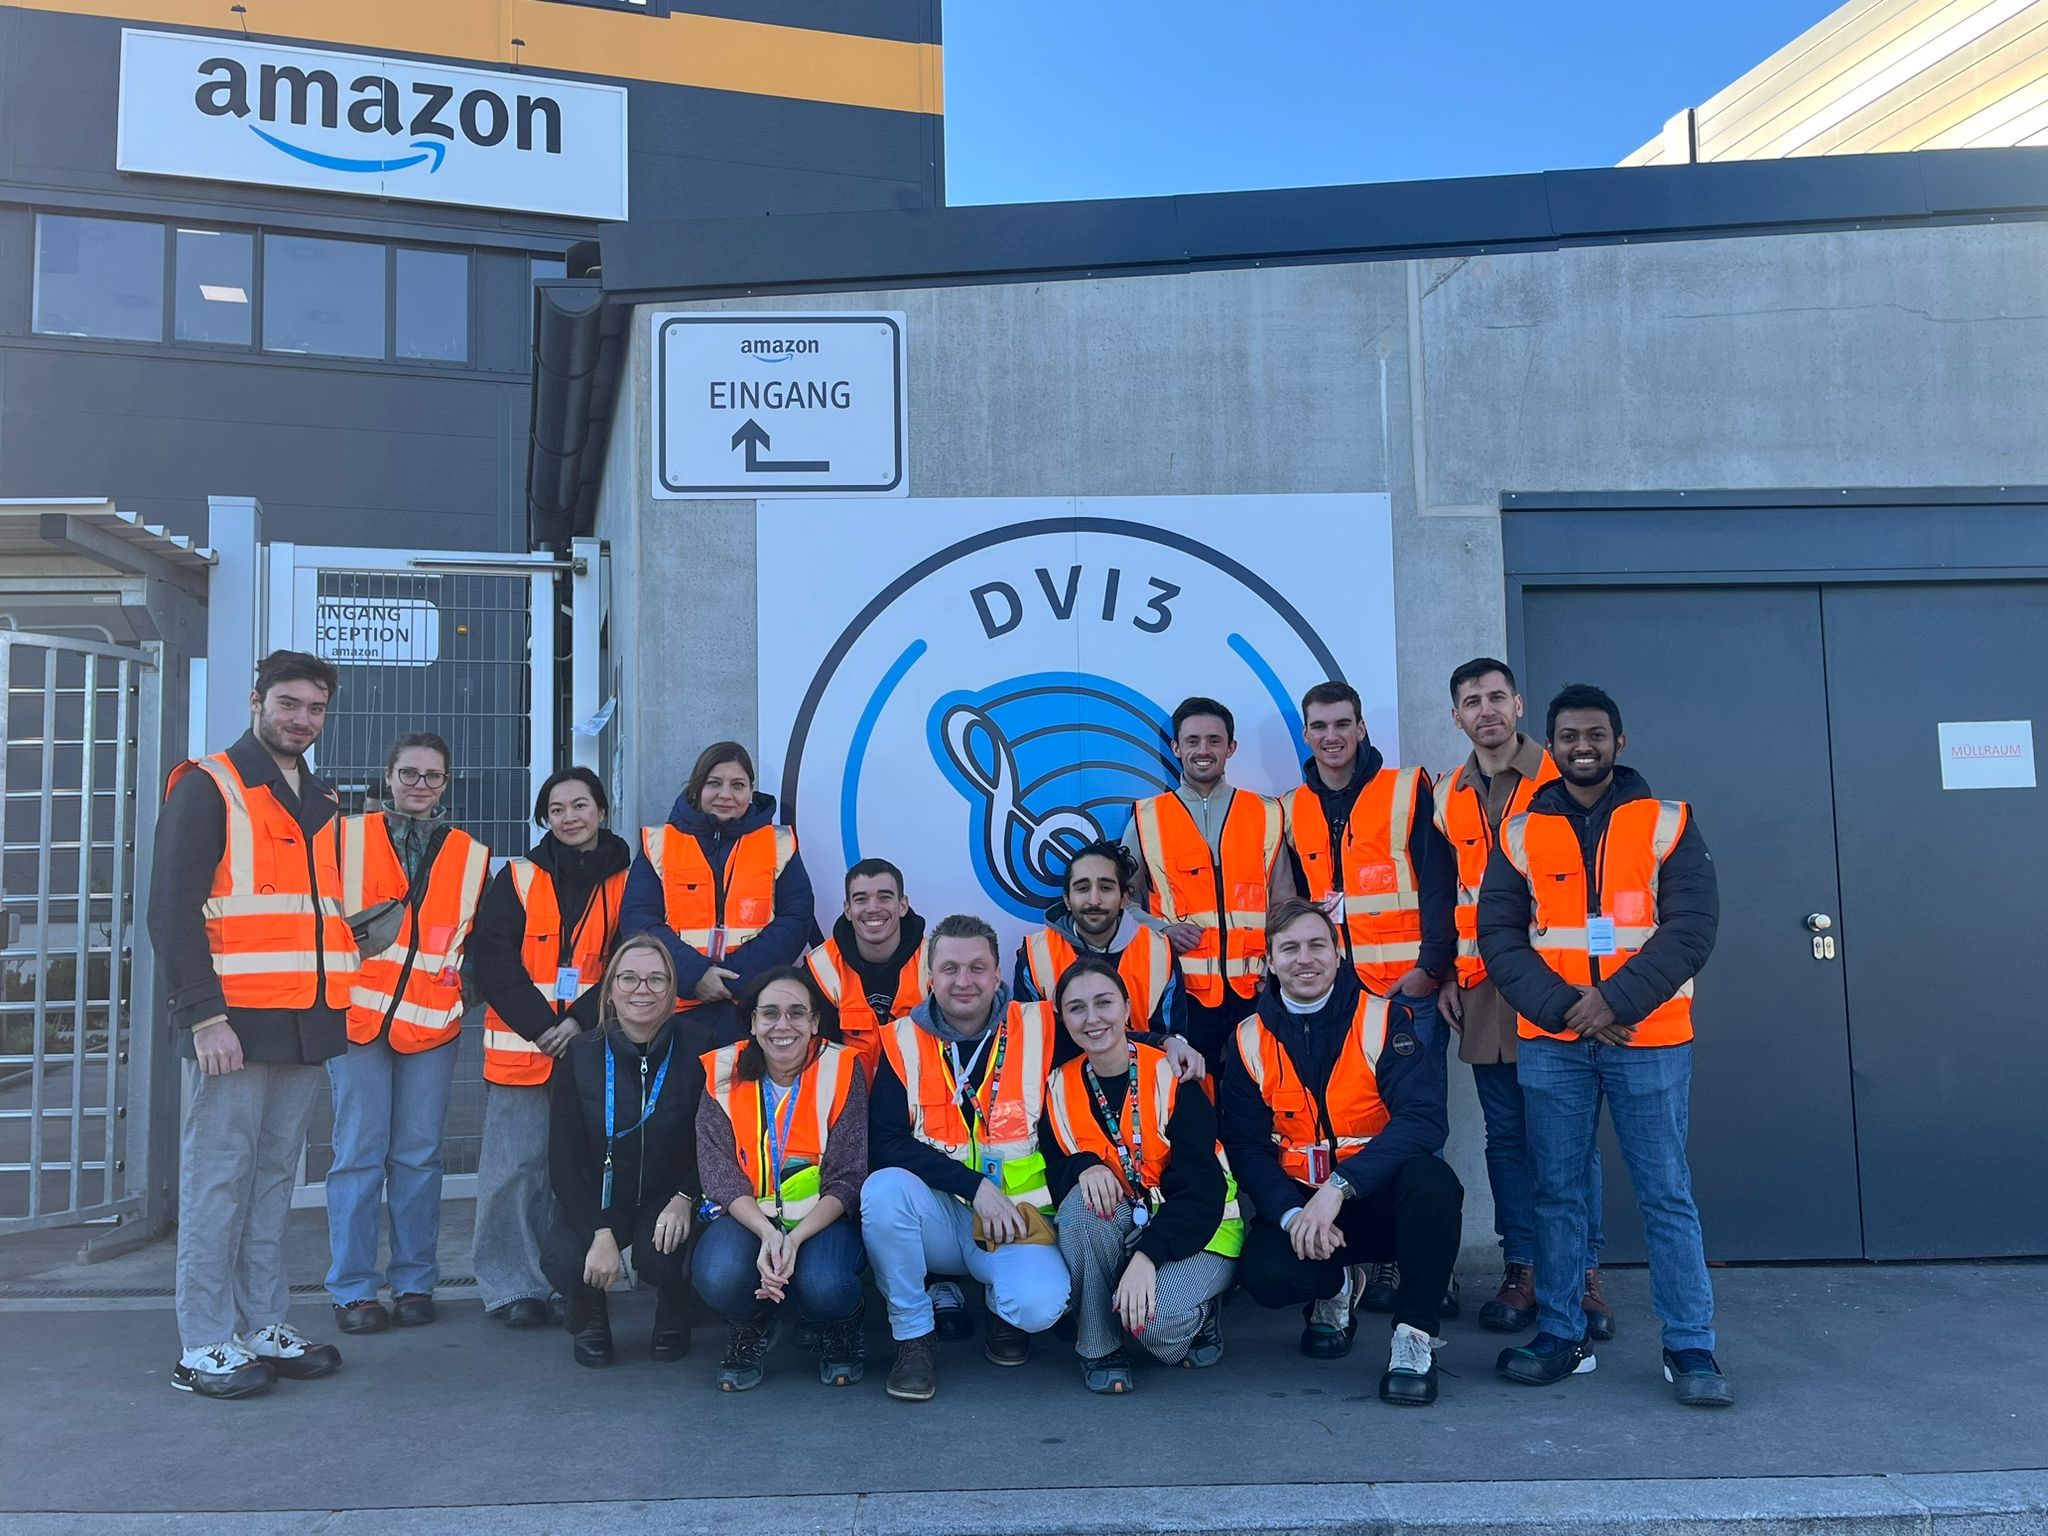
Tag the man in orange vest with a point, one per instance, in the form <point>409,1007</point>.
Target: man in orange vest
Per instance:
<point>1209,866</point>
<point>1363,843</point>
<point>1598,908</point>
<point>871,969</point>
<point>245,915</point>
<point>1093,920</point>
<point>1491,786</point>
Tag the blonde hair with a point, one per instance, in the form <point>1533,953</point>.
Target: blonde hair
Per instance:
<point>607,1005</point>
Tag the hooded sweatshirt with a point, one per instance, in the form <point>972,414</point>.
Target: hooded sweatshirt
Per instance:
<point>879,979</point>
<point>645,909</point>
<point>500,936</point>
<point>1169,1018</point>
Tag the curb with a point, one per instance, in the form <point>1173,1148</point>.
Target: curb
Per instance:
<point>1919,1504</point>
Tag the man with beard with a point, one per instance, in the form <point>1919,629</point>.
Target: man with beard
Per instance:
<point>1092,921</point>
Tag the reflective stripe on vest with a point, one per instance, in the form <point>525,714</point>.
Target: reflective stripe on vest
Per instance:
<point>1146,965</point>
<point>1357,1113</point>
<point>1382,912</point>
<point>1015,1101</point>
<point>509,1057</point>
<point>859,1029</point>
<point>412,989</point>
<point>1461,817</point>
<point>821,1092</point>
<point>1184,885</point>
<point>1544,849</point>
<point>274,916</point>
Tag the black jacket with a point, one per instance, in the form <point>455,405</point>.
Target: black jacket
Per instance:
<point>191,837</point>
<point>1688,914</point>
<point>1411,1084</point>
<point>653,1163</point>
<point>1429,851</point>
<point>879,978</point>
<point>499,937</point>
<point>1192,1189</point>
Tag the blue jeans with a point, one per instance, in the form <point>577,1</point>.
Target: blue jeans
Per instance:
<point>1509,1173</point>
<point>388,1110</point>
<point>826,1287</point>
<point>1648,1092</point>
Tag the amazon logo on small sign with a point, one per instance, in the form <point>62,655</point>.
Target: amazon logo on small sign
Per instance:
<point>342,122</point>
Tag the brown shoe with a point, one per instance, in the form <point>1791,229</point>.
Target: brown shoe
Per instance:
<point>1513,1308</point>
<point>915,1375</point>
<point>1005,1343</point>
<point>1599,1316</point>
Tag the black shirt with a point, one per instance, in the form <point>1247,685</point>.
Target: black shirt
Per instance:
<point>1192,1188</point>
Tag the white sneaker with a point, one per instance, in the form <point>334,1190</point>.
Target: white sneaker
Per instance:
<point>1410,1381</point>
<point>223,1370</point>
<point>949,1309</point>
<point>290,1353</point>
<point>1414,1351</point>
<point>1334,1312</point>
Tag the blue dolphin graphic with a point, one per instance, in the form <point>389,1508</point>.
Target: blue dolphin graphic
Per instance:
<point>435,151</point>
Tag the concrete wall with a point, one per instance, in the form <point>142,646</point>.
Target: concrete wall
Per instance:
<point>1885,358</point>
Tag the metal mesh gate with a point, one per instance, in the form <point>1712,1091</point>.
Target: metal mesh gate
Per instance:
<point>78,781</point>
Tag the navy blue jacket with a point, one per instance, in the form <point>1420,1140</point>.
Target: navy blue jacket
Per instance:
<point>1688,916</point>
<point>1169,1018</point>
<point>645,908</point>
<point>1411,1084</point>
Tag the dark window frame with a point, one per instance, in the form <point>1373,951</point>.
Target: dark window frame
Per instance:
<point>469,320</point>
<point>347,357</point>
<point>255,238</point>
<point>35,288</point>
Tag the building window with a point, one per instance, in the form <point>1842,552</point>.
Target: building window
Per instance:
<point>432,322</point>
<point>214,290</point>
<point>324,297</point>
<point>99,277</point>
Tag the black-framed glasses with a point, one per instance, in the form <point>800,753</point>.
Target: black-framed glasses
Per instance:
<point>629,981</point>
<point>433,778</point>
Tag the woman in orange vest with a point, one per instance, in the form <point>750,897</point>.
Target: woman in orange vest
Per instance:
<point>542,937</point>
<point>1145,1225</point>
<point>782,1147</point>
<point>722,887</point>
<point>412,880</point>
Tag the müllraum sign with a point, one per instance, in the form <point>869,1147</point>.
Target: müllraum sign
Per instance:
<point>226,110</point>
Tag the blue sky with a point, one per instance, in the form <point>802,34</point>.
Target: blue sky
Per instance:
<point>1054,99</point>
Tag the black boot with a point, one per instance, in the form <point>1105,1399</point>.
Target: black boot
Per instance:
<point>590,1326</point>
<point>672,1323</point>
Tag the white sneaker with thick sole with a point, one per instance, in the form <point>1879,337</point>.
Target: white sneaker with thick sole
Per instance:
<point>1335,1311</point>
<point>222,1370</point>
<point>290,1353</point>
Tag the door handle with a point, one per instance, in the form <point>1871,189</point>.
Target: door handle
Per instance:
<point>1821,926</point>
<point>1819,922</point>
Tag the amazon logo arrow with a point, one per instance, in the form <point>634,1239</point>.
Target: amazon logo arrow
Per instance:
<point>752,434</point>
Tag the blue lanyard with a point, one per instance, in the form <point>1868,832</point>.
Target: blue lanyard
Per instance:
<point>777,1123</point>
<point>653,1098</point>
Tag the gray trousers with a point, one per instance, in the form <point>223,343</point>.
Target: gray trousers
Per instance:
<point>238,1157</point>
<point>514,1204</point>
<point>1094,1250</point>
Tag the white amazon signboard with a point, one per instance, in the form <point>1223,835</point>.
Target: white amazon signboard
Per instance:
<point>229,110</point>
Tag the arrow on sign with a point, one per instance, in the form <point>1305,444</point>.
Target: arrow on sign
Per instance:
<point>755,438</point>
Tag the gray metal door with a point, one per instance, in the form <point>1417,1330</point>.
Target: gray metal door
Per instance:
<point>1945,916</point>
<point>79,779</point>
<point>1725,705</point>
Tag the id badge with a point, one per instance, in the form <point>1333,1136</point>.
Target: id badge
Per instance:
<point>568,984</point>
<point>1319,1165</point>
<point>1600,935</point>
<point>716,952</point>
<point>605,1200</point>
<point>993,1167</point>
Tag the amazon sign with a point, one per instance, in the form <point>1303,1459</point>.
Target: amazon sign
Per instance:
<point>222,110</point>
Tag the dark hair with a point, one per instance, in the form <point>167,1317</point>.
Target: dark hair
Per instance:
<point>1106,848</point>
<point>867,869</point>
<point>1284,914</point>
<point>963,925</point>
<point>1333,692</point>
<point>1580,696</point>
<point>1478,667</point>
<point>1081,970</point>
<point>577,774</point>
<point>753,1062</point>
<point>413,739</point>
<point>1189,708</point>
<point>718,752</point>
<point>296,667</point>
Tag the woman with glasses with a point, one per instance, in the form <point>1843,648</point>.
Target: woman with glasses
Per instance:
<point>722,886</point>
<point>410,885</point>
<point>782,1143</point>
<point>622,1154</point>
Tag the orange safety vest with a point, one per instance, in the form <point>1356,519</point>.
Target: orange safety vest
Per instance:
<point>509,1057</point>
<point>1146,966</point>
<point>1382,913</point>
<point>1010,1101</point>
<point>276,929</point>
<point>1544,848</point>
<point>1461,817</point>
<point>698,903</point>
<point>1187,885</point>
<point>859,1028</point>
<point>1356,1111</point>
<point>412,989</point>
<point>821,1092</point>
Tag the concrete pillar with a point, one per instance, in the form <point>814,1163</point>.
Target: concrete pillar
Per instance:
<point>234,614</point>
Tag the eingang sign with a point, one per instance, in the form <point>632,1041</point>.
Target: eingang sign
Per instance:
<point>228,110</point>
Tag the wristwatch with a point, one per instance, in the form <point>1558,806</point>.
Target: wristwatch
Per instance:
<point>1345,1188</point>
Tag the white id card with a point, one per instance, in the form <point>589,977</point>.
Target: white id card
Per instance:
<point>568,984</point>
<point>1599,935</point>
